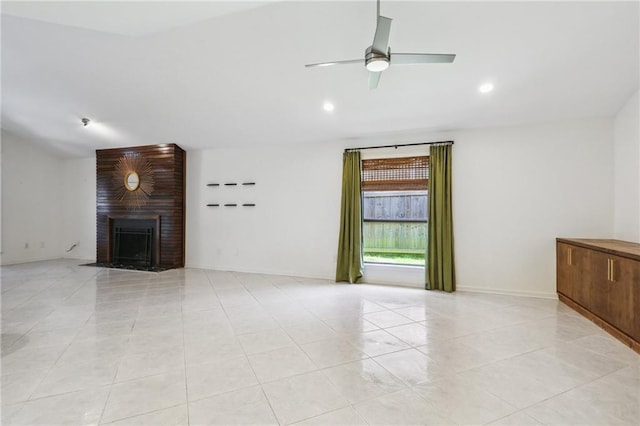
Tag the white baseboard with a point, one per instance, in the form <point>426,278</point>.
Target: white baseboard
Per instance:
<point>21,261</point>
<point>81,259</point>
<point>258,271</point>
<point>538,294</point>
<point>401,283</point>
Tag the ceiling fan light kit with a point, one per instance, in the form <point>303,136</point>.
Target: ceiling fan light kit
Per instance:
<point>374,61</point>
<point>378,57</point>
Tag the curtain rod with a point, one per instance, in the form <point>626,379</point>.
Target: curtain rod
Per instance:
<point>399,145</point>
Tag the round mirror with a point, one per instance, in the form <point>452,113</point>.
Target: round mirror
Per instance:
<point>131,181</point>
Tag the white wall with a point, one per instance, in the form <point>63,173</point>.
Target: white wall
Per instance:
<point>1,204</point>
<point>627,171</point>
<point>48,203</point>
<point>293,229</point>
<point>31,208</point>
<point>79,208</point>
<point>515,190</point>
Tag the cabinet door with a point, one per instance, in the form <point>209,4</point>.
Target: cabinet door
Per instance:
<point>593,291</point>
<point>624,279</point>
<point>565,270</point>
<point>572,264</point>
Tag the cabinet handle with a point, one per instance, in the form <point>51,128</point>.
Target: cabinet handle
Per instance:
<point>569,257</point>
<point>612,270</point>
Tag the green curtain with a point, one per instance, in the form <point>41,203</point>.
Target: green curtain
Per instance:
<point>350,263</point>
<point>439,265</point>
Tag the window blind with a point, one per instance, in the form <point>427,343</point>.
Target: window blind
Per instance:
<point>395,174</point>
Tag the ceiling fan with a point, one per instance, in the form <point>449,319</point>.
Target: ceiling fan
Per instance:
<point>378,56</point>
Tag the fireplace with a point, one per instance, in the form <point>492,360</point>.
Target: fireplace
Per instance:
<point>134,242</point>
<point>140,223</point>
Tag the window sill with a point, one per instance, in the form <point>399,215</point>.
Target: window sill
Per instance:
<point>392,265</point>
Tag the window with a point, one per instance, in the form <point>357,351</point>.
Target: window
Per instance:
<point>395,210</point>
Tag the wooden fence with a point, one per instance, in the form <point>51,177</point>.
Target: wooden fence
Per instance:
<point>395,237</point>
<point>395,221</point>
<point>395,205</point>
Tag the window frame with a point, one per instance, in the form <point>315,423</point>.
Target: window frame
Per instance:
<point>413,177</point>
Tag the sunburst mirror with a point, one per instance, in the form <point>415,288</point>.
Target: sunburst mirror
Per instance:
<point>133,180</point>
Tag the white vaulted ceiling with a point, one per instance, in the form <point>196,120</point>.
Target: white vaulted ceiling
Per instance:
<point>220,74</point>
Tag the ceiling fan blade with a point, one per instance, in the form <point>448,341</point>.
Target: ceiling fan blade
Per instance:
<point>328,64</point>
<point>374,78</point>
<point>381,38</point>
<point>420,58</point>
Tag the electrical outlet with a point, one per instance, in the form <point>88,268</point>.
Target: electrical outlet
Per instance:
<point>41,244</point>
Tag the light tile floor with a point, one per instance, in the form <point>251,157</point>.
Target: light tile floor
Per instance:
<point>83,345</point>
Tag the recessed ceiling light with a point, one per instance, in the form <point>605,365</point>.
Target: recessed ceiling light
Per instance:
<point>328,106</point>
<point>485,88</point>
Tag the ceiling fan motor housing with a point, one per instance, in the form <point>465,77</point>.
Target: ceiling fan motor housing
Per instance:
<point>376,61</point>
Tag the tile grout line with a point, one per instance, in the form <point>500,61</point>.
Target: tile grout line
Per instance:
<point>115,375</point>
<point>59,356</point>
<point>184,358</point>
<point>186,379</point>
<point>264,393</point>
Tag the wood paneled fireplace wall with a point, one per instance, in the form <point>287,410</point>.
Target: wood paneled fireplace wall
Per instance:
<point>155,199</point>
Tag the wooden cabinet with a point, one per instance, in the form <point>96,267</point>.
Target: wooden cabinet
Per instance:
<point>601,280</point>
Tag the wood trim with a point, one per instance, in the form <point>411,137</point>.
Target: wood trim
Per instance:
<point>610,246</point>
<point>623,337</point>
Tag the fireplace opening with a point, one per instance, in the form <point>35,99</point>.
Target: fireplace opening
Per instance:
<point>133,246</point>
<point>134,242</point>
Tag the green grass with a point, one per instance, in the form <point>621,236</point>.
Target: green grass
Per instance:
<point>397,258</point>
